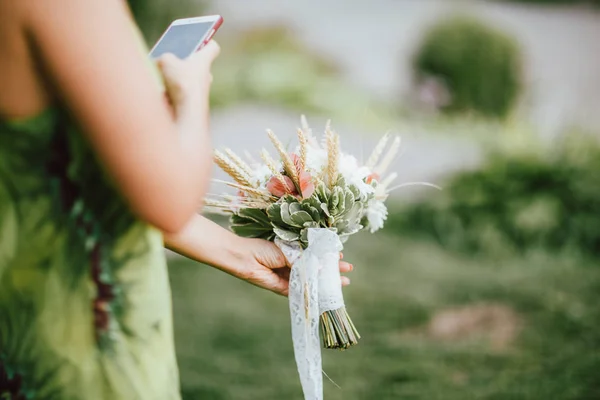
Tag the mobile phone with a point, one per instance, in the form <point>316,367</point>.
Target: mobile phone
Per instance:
<point>186,36</point>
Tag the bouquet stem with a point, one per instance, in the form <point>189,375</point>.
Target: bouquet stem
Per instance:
<point>337,329</point>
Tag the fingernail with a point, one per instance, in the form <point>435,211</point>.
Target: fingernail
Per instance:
<point>351,267</point>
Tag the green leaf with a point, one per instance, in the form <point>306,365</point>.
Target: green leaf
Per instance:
<point>334,200</point>
<point>355,212</point>
<point>236,219</point>
<point>289,199</point>
<point>252,230</point>
<point>256,215</point>
<point>286,235</point>
<point>314,213</point>
<point>355,191</point>
<point>312,224</point>
<point>286,217</point>
<point>322,192</point>
<point>304,236</point>
<point>295,207</point>
<point>349,199</point>
<point>325,209</point>
<point>274,213</point>
<point>301,218</point>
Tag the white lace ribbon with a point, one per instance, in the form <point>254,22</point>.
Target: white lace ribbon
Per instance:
<point>315,287</point>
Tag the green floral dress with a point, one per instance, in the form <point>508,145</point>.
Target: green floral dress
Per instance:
<point>85,305</point>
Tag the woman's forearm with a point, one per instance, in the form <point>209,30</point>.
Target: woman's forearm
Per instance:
<point>256,261</point>
<point>204,241</point>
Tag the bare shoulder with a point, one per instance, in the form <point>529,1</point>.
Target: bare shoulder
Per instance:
<point>23,90</point>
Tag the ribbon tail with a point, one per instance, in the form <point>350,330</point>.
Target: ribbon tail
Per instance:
<point>304,312</point>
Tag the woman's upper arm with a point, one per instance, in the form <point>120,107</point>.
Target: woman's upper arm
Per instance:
<point>93,58</point>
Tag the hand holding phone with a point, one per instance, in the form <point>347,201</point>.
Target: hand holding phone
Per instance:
<point>186,36</point>
<point>186,72</point>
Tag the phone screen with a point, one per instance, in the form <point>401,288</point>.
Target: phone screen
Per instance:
<point>182,40</point>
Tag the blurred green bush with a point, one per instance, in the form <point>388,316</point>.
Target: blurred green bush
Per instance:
<point>517,202</point>
<point>270,65</point>
<point>479,65</point>
<point>154,16</point>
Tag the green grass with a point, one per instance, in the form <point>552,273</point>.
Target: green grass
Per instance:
<point>233,340</point>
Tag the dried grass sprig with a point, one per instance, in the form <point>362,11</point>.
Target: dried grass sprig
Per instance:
<point>377,151</point>
<point>288,164</point>
<point>231,169</point>
<point>389,179</point>
<point>389,157</point>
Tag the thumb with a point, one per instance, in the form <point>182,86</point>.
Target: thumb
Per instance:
<point>169,65</point>
<point>167,60</point>
<point>272,257</point>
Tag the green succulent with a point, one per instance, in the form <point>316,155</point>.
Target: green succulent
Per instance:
<point>339,209</point>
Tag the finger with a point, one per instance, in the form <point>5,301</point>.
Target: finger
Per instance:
<point>341,256</point>
<point>345,267</point>
<point>213,50</point>
<point>281,286</point>
<point>345,281</point>
<point>206,55</point>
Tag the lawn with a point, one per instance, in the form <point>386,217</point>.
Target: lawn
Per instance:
<point>435,325</point>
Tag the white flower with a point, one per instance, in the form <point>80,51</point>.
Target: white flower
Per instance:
<point>316,159</point>
<point>261,175</point>
<point>355,175</point>
<point>376,214</point>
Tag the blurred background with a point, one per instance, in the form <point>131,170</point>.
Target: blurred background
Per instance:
<point>488,289</point>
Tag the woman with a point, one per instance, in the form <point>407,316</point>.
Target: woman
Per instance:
<point>96,170</point>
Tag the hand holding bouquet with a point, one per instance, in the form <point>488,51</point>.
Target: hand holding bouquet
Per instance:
<point>309,201</point>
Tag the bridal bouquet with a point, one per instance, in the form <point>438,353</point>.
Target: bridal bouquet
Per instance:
<point>309,201</point>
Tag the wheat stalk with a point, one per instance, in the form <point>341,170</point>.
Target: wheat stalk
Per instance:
<point>303,149</point>
<point>239,162</point>
<point>327,129</point>
<point>308,132</point>
<point>247,189</point>
<point>304,124</point>
<point>389,157</point>
<point>288,164</point>
<point>333,154</point>
<point>377,151</point>
<point>250,158</point>
<point>252,203</point>
<point>268,160</point>
<point>231,169</point>
<point>239,203</point>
